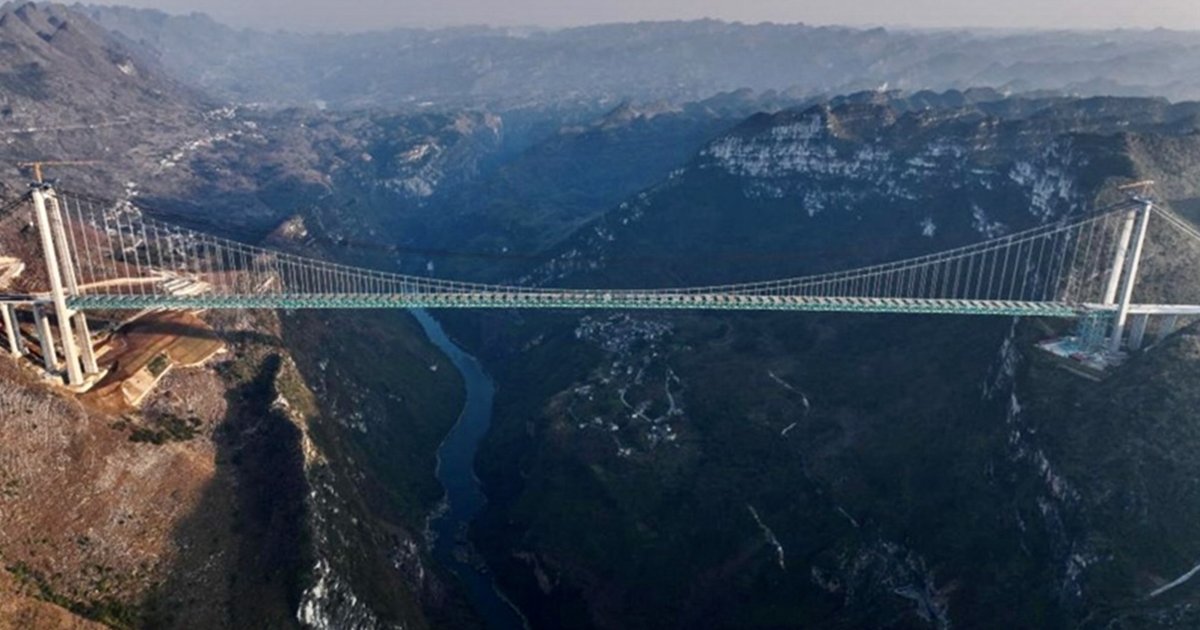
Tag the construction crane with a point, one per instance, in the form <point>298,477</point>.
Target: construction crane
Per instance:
<point>37,165</point>
<point>1139,190</point>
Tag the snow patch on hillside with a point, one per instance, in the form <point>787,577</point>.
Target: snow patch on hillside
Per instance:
<point>329,604</point>
<point>883,565</point>
<point>1048,181</point>
<point>928,227</point>
<point>984,225</point>
<point>769,536</point>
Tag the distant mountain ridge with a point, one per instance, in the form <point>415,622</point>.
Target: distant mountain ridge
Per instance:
<point>938,170</point>
<point>648,61</point>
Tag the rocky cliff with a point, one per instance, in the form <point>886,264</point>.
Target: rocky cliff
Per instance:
<point>229,499</point>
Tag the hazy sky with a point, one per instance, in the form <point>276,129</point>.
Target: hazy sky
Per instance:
<point>373,14</point>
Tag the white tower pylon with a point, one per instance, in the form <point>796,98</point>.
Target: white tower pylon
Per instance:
<point>1129,281</point>
<point>66,260</point>
<point>1119,259</point>
<point>57,294</point>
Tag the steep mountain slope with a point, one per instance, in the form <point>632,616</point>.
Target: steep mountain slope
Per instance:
<point>778,470</point>
<point>73,90</point>
<point>70,90</point>
<point>351,175</point>
<point>681,61</point>
<point>533,200</point>
<point>256,516</point>
<point>53,56</point>
<point>863,180</point>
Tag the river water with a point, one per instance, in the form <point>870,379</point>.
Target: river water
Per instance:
<point>456,472</point>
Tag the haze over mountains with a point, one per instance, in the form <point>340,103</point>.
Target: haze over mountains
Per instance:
<point>502,67</point>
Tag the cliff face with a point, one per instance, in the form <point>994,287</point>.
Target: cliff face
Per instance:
<point>386,399</point>
<point>253,515</point>
<point>1110,482</point>
<point>130,531</point>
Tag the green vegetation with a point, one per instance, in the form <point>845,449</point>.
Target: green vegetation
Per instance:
<point>158,365</point>
<point>160,429</point>
<point>107,610</point>
<point>291,386</point>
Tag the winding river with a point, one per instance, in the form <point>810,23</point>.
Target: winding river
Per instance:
<point>464,498</point>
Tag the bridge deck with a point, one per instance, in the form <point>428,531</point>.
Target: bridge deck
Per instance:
<point>583,300</point>
<point>1163,309</point>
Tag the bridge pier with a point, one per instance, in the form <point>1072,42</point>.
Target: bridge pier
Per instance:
<point>46,339</point>
<point>15,344</point>
<point>1166,328</point>
<point>1137,335</point>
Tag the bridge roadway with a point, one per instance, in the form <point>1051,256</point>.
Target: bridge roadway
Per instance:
<point>567,299</point>
<point>615,300</point>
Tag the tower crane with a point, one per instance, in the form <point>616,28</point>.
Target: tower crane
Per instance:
<point>36,165</point>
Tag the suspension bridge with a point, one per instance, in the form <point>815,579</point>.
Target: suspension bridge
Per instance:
<point>96,256</point>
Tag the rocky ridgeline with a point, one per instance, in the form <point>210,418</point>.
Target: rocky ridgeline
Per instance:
<point>523,68</point>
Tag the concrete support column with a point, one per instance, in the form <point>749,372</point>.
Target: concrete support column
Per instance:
<point>70,280</point>
<point>87,353</point>
<point>9,314</point>
<point>1165,327</point>
<point>61,313</point>
<point>1132,263</point>
<point>1114,279</point>
<point>1137,335</point>
<point>46,339</point>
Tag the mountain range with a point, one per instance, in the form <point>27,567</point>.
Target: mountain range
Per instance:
<point>679,61</point>
<point>706,470</point>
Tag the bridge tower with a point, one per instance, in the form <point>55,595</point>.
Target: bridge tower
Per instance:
<point>79,355</point>
<point>1125,269</point>
<point>67,253</point>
